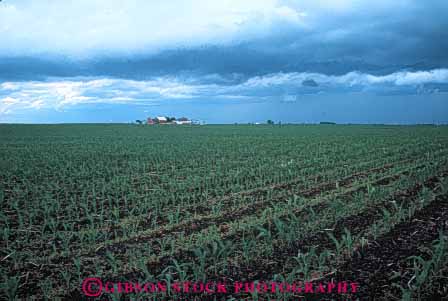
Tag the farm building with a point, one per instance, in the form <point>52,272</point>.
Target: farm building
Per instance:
<point>161,119</point>
<point>168,120</point>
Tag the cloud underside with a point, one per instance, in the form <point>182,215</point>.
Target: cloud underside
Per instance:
<point>277,33</point>
<point>61,93</point>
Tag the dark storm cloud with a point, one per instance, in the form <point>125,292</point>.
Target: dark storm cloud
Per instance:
<point>387,38</point>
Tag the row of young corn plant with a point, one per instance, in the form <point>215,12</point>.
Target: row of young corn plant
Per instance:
<point>267,235</point>
<point>113,263</point>
<point>275,205</point>
<point>312,265</point>
<point>215,205</point>
<point>87,237</point>
<point>59,198</point>
<point>308,265</point>
<point>92,206</point>
<point>279,208</point>
<point>88,219</point>
<point>428,278</point>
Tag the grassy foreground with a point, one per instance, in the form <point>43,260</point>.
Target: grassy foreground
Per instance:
<point>317,203</point>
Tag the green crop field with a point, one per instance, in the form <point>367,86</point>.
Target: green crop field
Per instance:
<point>311,203</point>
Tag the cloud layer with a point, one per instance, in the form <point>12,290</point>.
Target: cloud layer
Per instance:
<point>59,94</point>
<point>84,27</point>
<point>140,38</point>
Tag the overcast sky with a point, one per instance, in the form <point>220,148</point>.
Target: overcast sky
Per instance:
<point>224,61</point>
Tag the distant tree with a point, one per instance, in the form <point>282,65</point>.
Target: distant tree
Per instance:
<point>139,121</point>
<point>270,121</point>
